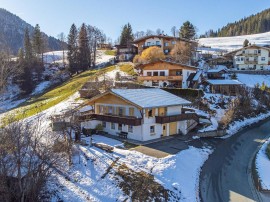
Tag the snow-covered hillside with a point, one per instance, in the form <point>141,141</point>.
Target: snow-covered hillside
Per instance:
<point>231,43</point>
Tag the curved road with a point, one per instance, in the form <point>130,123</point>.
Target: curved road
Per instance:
<point>226,175</point>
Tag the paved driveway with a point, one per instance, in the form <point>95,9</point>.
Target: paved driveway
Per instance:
<point>226,175</point>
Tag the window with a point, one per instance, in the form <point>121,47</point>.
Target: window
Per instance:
<point>242,59</point>
<point>130,129</point>
<point>131,111</point>
<point>247,59</point>
<point>110,110</point>
<point>121,111</point>
<point>259,51</point>
<point>162,73</point>
<point>261,67</point>
<point>158,43</point>
<point>154,83</point>
<point>150,113</point>
<point>152,129</point>
<point>120,126</point>
<point>243,51</point>
<point>173,42</point>
<point>149,73</point>
<point>155,73</point>
<point>263,58</point>
<point>103,124</point>
<point>113,126</point>
<point>255,59</point>
<point>179,73</point>
<point>166,51</point>
<point>148,44</point>
<point>166,44</point>
<point>255,51</point>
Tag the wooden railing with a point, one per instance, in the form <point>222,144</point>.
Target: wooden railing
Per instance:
<point>160,78</point>
<point>128,120</point>
<point>179,117</point>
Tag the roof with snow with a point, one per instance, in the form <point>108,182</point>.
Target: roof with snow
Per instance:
<point>224,82</point>
<point>197,76</point>
<point>217,69</point>
<point>150,97</point>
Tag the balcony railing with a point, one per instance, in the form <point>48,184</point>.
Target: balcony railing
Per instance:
<point>179,117</point>
<point>169,78</point>
<point>128,120</point>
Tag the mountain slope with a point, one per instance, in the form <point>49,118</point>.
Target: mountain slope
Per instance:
<point>254,24</point>
<point>12,33</point>
<point>235,42</point>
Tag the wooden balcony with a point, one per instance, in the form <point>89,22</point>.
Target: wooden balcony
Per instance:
<point>128,120</point>
<point>179,117</point>
<point>160,78</point>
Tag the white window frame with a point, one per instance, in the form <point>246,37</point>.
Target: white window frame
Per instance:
<point>113,126</point>
<point>152,129</point>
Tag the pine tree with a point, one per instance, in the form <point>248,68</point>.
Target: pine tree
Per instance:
<point>37,40</point>
<point>187,30</point>
<point>126,37</point>
<point>84,52</point>
<point>73,49</point>
<point>28,47</point>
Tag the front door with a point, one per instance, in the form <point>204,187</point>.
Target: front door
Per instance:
<point>173,128</point>
<point>164,128</point>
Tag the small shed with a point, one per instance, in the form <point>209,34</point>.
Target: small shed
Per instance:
<point>224,86</point>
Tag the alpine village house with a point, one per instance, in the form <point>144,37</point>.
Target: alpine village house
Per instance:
<point>141,114</point>
<point>252,57</point>
<point>165,74</point>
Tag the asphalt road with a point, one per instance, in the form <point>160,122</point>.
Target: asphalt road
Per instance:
<point>226,175</point>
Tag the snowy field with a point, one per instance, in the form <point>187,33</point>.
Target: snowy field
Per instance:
<point>252,80</point>
<point>232,43</point>
<point>178,173</point>
<point>262,166</point>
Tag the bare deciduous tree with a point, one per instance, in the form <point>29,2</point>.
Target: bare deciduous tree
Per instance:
<point>27,158</point>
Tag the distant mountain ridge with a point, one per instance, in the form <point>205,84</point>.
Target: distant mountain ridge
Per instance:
<point>254,24</point>
<point>12,30</point>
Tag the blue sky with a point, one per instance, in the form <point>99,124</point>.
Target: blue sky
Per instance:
<point>55,16</point>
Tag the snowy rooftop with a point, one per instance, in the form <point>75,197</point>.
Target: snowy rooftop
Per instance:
<point>147,98</point>
<point>197,76</point>
<point>224,82</point>
<point>217,69</point>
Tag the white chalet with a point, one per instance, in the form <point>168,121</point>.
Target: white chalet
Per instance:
<point>252,57</point>
<point>142,114</point>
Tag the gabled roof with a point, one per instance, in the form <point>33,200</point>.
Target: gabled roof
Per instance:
<point>248,47</point>
<point>224,82</point>
<point>217,69</point>
<point>150,97</point>
<point>169,62</point>
<point>146,98</point>
<point>161,36</point>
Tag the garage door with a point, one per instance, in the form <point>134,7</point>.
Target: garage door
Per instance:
<point>173,128</point>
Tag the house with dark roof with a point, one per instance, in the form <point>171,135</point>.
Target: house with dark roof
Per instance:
<point>125,52</point>
<point>164,73</point>
<point>224,86</point>
<point>140,114</point>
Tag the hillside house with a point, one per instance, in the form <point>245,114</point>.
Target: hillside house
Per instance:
<point>165,74</point>
<point>252,57</point>
<point>166,43</point>
<point>142,114</point>
<point>125,53</point>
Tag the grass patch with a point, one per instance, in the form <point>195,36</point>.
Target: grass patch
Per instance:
<point>110,52</point>
<point>58,94</point>
<point>128,145</point>
<point>268,151</point>
<point>128,68</point>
